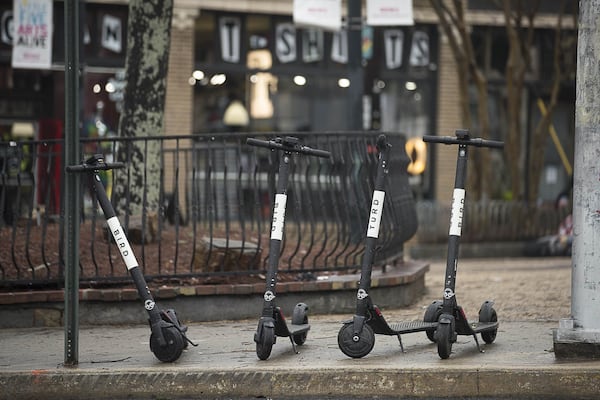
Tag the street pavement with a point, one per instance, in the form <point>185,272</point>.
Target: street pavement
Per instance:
<point>115,362</point>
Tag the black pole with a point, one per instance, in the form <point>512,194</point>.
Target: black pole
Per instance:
<point>72,189</point>
<point>355,67</point>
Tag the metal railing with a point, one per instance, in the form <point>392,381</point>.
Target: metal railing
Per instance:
<point>212,220</point>
<point>489,221</point>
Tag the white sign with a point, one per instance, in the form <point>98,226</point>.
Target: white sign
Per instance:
<point>419,50</point>
<point>32,38</point>
<point>7,27</point>
<point>339,47</point>
<point>456,216</point>
<point>118,234</point>
<point>326,14</point>
<point>376,212</point>
<point>278,216</point>
<point>230,32</point>
<point>285,42</point>
<point>389,12</point>
<point>111,33</point>
<point>393,40</point>
<point>312,45</point>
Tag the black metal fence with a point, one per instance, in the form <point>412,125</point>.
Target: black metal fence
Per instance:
<point>492,220</point>
<point>212,220</point>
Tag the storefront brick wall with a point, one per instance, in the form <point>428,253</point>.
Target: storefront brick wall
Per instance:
<point>448,120</point>
<point>180,94</point>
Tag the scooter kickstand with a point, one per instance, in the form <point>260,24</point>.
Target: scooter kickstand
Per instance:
<point>477,343</point>
<point>178,326</point>
<point>293,345</point>
<point>187,339</point>
<point>400,340</point>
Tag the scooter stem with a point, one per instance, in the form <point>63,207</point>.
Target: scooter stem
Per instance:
<point>277,229</point>
<point>129,258</point>
<point>373,224</point>
<point>456,220</point>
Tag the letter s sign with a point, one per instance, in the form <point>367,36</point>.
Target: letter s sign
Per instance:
<point>7,27</point>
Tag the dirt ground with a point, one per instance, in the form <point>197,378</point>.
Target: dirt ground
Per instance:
<point>531,289</point>
<point>535,288</point>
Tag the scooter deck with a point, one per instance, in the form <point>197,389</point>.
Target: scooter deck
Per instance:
<point>297,329</point>
<point>282,329</point>
<point>400,328</point>
<point>413,326</point>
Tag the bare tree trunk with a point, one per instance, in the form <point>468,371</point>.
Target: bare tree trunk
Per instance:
<point>562,69</point>
<point>148,40</point>
<point>520,38</point>
<point>517,64</point>
<point>455,27</point>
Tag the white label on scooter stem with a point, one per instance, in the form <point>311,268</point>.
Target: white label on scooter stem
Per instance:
<point>278,216</point>
<point>456,218</point>
<point>122,243</point>
<point>375,216</point>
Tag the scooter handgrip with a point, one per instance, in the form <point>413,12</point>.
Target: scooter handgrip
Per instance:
<point>440,139</point>
<point>263,143</point>
<point>95,167</point>
<point>115,165</point>
<point>314,152</point>
<point>487,143</point>
<point>76,168</point>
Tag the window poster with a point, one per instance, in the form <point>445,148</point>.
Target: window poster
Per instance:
<point>324,14</point>
<point>32,38</point>
<point>389,12</point>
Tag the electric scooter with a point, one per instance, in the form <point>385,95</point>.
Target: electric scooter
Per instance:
<point>452,320</point>
<point>356,337</point>
<point>272,322</point>
<point>168,336</point>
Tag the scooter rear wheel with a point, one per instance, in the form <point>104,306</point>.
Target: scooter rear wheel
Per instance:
<point>174,347</point>
<point>356,348</point>
<point>264,344</point>
<point>300,317</point>
<point>443,336</point>
<point>431,315</point>
<point>488,314</point>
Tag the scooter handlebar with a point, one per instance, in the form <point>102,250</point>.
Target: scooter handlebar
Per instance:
<point>288,144</point>
<point>95,163</point>
<point>477,142</point>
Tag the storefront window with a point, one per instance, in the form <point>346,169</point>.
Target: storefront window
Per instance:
<point>291,78</point>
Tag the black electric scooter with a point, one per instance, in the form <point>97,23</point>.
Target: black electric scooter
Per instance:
<point>272,322</point>
<point>168,337</point>
<point>452,320</point>
<point>356,337</point>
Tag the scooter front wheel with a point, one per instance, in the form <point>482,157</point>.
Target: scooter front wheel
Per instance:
<point>264,344</point>
<point>174,347</point>
<point>356,346</point>
<point>443,336</point>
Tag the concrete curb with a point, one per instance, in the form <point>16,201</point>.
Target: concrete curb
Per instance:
<point>399,286</point>
<point>555,383</point>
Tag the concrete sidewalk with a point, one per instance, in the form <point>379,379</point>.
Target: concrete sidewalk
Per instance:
<point>116,362</point>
